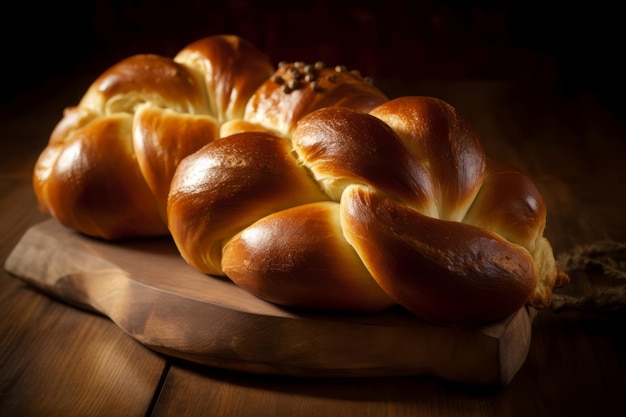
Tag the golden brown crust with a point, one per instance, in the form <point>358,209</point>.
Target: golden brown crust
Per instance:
<point>232,127</point>
<point>446,233</point>
<point>469,187</point>
<point>228,185</point>
<point>510,204</point>
<point>231,69</point>
<point>435,134</point>
<point>145,79</point>
<point>176,106</point>
<point>89,177</point>
<point>306,186</point>
<point>77,184</point>
<point>297,89</point>
<point>299,258</point>
<point>162,138</point>
<point>342,146</point>
<point>443,271</point>
<point>168,115</point>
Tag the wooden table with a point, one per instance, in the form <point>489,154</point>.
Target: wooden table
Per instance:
<point>58,360</point>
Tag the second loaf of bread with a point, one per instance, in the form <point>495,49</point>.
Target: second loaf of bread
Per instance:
<point>364,210</point>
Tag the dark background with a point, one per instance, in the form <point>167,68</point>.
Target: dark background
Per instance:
<point>574,49</point>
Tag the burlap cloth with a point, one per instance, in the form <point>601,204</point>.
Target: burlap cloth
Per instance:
<point>597,278</point>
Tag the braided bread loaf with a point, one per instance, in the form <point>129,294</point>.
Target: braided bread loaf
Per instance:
<point>108,165</point>
<point>363,211</point>
<point>305,186</point>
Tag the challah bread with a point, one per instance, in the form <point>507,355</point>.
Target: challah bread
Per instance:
<point>443,271</point>
<point>108,165</point>
<point>309,263</point>
<point>296,89</point>
<point>88,176</point>
<point>510,205</point>
<point>230,68</point>
<point>431,131</point>
<point>88,180</point>
<point>351,147</point>
<point>472,188</point>
<point>410,202</point>
<point>304,184</point>
<point>229,184</point>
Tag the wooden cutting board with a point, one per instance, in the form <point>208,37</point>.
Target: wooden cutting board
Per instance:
<point>147,289</point>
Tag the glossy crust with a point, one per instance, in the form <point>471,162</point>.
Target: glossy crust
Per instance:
<point>170,107</point>
<point>273,259</point>
<point>75,181</point>
<point>443,271</point>
<point>433,133</point>
<point>228,185</point>
<point>161,139</point>
<point>410,202</point>
<point>231,70</point>
<point>306,185</point>
<point>297,89</point>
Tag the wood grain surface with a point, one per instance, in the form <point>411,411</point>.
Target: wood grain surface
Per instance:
<point>146,288</point>
<point>58,360</point>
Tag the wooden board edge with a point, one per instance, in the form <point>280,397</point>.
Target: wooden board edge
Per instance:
<point>320,347</point>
